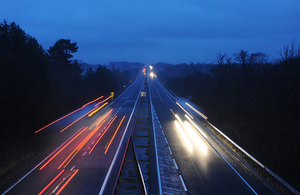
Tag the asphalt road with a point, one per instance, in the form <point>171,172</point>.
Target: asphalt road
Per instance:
<point>86,157</point>
<point>204,166</point>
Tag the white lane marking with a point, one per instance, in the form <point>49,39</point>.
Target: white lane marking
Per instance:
<point>11,187</point>
<point>170,150</point>
<point>166,140</point>
<point>155,146</point>
<point>158,94</point>
<point>118,149</point>
<point>217,151</point>
<point>183,183</point>
<point>175,164</point>
<point>234,169</point>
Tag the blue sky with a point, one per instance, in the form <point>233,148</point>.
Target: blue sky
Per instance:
<point>177,31</point>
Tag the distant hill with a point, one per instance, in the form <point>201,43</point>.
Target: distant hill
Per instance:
<point>112,65</point>
<point>125,65</point>
<point>86,66</point>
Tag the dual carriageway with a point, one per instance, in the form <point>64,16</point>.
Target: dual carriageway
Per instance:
<point>93,139</point>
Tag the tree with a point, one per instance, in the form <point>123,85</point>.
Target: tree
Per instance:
<point>23,65</point>
<point>243,58</point>
<point>66,74</point>
<point>220,58</point>
<point>61,64</point>
<point>23,90</point>
<point>62,49</point>
<point>258,58</point>
<point>222,70</point>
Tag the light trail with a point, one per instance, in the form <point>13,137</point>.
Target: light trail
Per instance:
<point>91,114</point>
<point>184,110</point>
<point>102,135</point>
<point>77,120</point>
<point>59,147</point>
<point>100,119</point>
<point>179,119</point>
<point>104,117</point>
<point>183,136</point>
<point>92,101</point>
<point>51,182</point>
<point>205,117</point>
<point>67,115</point>
<point>195,137</point>
<point>78,148</point>
<point>114,134</point>
<point>62,148</point>
<point>95,121</point>
<point>102,101</point>
<point>66,183</point>
<point>204,135</point>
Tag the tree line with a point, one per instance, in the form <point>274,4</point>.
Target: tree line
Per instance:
<point>38,86</point>
<point>254,101</point>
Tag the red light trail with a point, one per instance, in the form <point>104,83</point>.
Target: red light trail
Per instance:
<point>67,115</point>
<point>62,148</point>
<point>114,134</point>
<point>66,183</point>
<point>102,101</point>
<point>77,120</point>
<point>51,182</point>
<point>102,135</point>
<point>78,148</point>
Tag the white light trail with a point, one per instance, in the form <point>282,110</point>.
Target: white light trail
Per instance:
<point>195,137</point>
<point>182,134</point>
<point>196,126</point>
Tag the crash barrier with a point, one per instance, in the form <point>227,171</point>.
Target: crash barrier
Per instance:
<point>130,141</point>
<point>256,161</point>
<point>284,183</point>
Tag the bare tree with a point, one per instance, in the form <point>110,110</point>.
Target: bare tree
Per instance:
<point>220,58</point>
<point>289,52</point>
<point>258,58</point>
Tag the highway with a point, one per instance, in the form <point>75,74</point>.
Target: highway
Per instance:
<point>90,143</point>
<point>205,167</point>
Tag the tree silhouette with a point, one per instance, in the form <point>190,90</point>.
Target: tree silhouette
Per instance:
<point>62,49</point>
<point>23,91</point>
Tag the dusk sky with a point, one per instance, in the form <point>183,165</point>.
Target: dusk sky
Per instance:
<point>177,31</point>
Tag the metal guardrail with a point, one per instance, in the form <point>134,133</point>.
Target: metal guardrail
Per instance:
<point>248,155</point>
<point>256,161</point>
<point>142,182</point>
<point>130,141</point>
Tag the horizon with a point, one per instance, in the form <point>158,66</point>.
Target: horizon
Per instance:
<point>151,32</point>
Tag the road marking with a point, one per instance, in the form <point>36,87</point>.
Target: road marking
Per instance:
<point>155,145</point>
<point>175,164</point>
<point>158,94</point>
<point>170,150</point>
<point>183,183</point>
<point>216,151</point>
<point>118,149</point>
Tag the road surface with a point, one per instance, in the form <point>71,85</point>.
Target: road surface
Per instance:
<point>205,167</point>
<point>87,156</point>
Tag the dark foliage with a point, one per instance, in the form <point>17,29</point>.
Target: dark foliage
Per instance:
<point>37,87</point>
<point>254,102</point>
<point>23,86</point>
